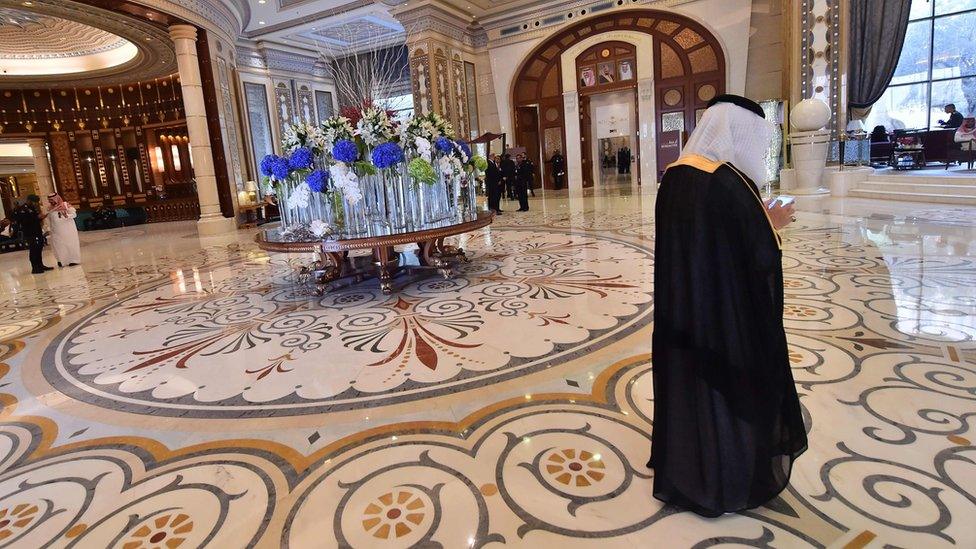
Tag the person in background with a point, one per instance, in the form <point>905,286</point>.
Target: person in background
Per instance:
<point>727,423</point>
<point>509,175</point>
<point>64,233</point>
<point>879,134</point>
<point>494,184</point>
<point>558,162</point>
<point>955,117</point>
<point>27,214</point>
<point>524,180</point>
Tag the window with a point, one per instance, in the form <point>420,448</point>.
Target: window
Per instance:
<point>401,105</point>
<point>937,66</point>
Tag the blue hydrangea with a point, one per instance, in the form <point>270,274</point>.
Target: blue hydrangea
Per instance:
<point>280,168</point>
<point>387,155</point>
<point>345,151</point>
<point>444,145</point>
<point>465,148</point>
<point>319,181</point>
<point>266,163</point>
<point>301,159</point>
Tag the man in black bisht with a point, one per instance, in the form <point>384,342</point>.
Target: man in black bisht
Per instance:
<point>28,216</point>
<point>493,183</point>
<point>509,175</point>
<point>727,420</point>
<point>524,180</point>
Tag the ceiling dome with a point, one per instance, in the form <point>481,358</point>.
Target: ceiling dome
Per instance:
<point>35,44</point>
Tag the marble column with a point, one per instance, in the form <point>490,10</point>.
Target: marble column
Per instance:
<point>212,221</point>
<point>42,168</point>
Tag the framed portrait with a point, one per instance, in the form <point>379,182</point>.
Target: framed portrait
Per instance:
<point>587,77</point>
<point>626,69</point>
<point>606,73</point>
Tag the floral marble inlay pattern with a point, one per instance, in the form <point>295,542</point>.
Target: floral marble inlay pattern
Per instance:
<point>525,419</point>
<point>247,345</point>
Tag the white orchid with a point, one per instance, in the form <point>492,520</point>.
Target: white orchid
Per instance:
<point>423,148</point>
<point>375,127</point>
<point>299,198</point>
<point>303,135</point>
<point>335,129</point>
<point>319,228</point>
<point>347,182</point>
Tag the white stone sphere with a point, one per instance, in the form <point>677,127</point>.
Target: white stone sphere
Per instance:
<point>809,115</point>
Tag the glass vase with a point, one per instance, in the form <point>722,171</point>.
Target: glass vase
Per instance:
<point>397,206</point>
<point>374,194</point>
<point>468,204</point>
<point>283,191</point>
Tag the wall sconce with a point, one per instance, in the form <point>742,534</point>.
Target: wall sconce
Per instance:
<point>175,151</point>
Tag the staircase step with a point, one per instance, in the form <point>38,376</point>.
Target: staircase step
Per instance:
<point>960,199</point>
<point>912,187</point>
<point>925,179</point>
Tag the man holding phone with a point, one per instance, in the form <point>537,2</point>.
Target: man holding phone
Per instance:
<point>727,420</point>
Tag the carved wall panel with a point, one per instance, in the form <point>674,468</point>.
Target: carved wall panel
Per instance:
<point>306,104</point>
<point>284,104</point>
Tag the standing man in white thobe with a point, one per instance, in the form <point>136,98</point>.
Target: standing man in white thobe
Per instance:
<point>64,233</point>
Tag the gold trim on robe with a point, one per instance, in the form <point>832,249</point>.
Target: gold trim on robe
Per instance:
<point>708,165</point>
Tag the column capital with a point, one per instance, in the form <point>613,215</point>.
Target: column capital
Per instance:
<point>183,32</point>
<point>36,142</point>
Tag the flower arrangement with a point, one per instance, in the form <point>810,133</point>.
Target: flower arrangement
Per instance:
<point>336,129</point>
<point>422,171</point>
<point>345,151</point>
<point>444,145</point>
<point>480,163</point>
<point>319,181</point>
<point>375,127</point>
<point>341,159</point>
<point>276,168</point>
<point>387,155</point>
<point>301,158</point>
<point>428,127</point>
<point>304,135</point>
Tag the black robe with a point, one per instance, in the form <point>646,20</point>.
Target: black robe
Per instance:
<point>727,420</point>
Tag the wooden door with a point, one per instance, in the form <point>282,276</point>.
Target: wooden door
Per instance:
<point>586,131</point>
<point>528,137</point>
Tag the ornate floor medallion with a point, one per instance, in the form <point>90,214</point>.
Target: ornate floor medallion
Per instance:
<point>244,346</point>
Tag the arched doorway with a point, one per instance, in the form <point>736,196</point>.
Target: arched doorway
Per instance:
<point>689,68</point>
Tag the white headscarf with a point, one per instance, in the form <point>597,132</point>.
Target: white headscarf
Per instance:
<point>729,133</point>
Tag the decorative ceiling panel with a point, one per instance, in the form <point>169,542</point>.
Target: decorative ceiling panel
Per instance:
<point>26,35</point>
<point>65,30</point>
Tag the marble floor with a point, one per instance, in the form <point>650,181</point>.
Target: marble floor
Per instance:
<point>177,391</point>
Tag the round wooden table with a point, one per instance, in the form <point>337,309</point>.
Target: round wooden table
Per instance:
<point>333,261</point>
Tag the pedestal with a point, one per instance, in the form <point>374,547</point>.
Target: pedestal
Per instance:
<point>809,161</point>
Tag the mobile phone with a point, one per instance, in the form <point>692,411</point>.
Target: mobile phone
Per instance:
<point>783,200</point>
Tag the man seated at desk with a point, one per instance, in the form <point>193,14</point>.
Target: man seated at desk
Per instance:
<point>955,118</point>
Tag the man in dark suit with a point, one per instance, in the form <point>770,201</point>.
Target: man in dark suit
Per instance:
<point>955,118</point>
<point>509,175</point>
<point>526,174</point>
<point>558,162</point>
<point>493,182</point>
<point>29,217</point>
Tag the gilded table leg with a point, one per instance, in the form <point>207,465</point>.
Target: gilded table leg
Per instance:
<point>386,264</point>
<point>329,268</point>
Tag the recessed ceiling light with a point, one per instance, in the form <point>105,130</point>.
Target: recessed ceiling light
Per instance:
<point>262,1</point>
<point>260,22</point>
<point>28,3</point>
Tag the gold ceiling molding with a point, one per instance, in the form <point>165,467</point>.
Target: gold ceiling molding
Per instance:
<point>155,55</point>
